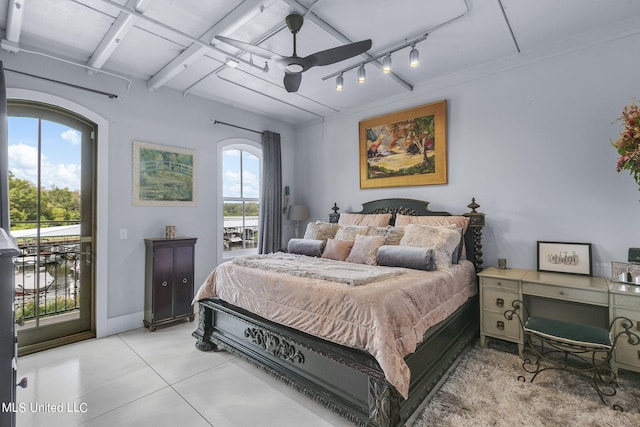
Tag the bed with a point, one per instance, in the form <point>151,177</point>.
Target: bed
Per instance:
<point>356,374</point>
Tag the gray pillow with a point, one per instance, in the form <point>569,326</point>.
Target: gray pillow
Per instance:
<point>406,256</point>
<point>309,247</point>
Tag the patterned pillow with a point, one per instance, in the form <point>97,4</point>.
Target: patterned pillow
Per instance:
<point>320,230</point>
<point>349,232</point>
<point>364,249</point>
<point>337,249</point>
<point>443,241</point>
<point>374,220</point>
<point>392,235</point>
<point>436,221</point>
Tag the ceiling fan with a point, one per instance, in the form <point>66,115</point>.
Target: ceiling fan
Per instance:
<point>294,65</point>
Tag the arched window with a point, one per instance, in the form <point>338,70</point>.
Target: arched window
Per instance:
<point>240,177</point>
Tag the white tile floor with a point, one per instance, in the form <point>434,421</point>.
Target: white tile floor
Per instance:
<point>139,378</point>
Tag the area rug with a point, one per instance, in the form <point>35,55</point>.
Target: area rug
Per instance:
<point>483,390</point>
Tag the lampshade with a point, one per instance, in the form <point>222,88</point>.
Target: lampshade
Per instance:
<point>339,83</point>
<point>298,213</point>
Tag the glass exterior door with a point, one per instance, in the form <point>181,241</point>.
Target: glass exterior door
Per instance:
<point>51,182</point>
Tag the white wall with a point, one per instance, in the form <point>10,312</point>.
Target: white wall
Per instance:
<point>163,117</point>
<point>529,137</point>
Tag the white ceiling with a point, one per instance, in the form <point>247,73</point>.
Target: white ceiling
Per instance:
<point>170,43</point>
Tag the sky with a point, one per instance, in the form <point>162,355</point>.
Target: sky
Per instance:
<point>60,153</point>
<point>232,182</point>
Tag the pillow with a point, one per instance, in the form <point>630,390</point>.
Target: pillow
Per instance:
<point>364,249</point>
<point>308,247</point>
<point>392,235</point>
<point>437,220</point>
<point>349,232</point>
<point>374,220</point>
<point>320,230</point>
<point>407,257</point>
<point>443,241</point>
<point>337,249</point>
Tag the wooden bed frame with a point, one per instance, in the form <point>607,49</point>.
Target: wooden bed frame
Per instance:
<point>348,381</point>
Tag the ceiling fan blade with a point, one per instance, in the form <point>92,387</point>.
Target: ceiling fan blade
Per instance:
<point>251,48</point>
<point>292,81</point>
<point>337,54</point>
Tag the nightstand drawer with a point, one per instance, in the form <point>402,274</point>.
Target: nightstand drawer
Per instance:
<point>494,323</point>
<point>496,299</point>
<point>500,283</point>
<point>627,301</point>
<point>566,293</point>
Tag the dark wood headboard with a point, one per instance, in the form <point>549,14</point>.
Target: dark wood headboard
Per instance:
<point>472,238</point>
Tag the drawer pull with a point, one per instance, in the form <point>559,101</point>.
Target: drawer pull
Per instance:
<point>500,325</point>
<point>561,292</point>
<point>500,302</point>
<point>184,280</point>
<point>164,283</point>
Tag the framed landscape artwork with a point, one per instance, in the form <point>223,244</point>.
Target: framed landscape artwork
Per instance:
<point>405,148</point>
<point>559,257</point>
<point>163,176</point>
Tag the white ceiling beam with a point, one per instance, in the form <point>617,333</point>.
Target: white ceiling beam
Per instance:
<point>119,29</point>
<point>15,14</point>
<point>233,20</point>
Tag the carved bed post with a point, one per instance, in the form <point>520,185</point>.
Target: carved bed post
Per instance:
<point>384,407</point>
<point>205,328</point>
<point>335,216</point>
<point>476,222</point>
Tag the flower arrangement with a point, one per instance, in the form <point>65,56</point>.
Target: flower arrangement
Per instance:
<point>628,143</point>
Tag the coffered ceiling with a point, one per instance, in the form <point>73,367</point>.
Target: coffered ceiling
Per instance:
<point>172,44</point>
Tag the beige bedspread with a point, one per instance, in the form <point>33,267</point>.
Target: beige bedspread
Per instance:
<point>387,318</point>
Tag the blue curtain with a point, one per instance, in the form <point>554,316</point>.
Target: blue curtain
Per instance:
<point>270,239</point>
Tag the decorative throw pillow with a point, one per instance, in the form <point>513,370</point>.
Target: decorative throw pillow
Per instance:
<point>364,249</point>
<point>407,257</point>
<point>374,220</point>
<point>320,230</point>
<point>392,235</point>
<point>349,232</point>
<point>308,247</point>
<point>443,241</point>
<point>337,249</point>
<point>436,221</point>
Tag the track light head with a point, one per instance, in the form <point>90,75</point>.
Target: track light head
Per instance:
<point>414,57</point>
<point>386,63</point>
<point>362,74</point>
<point>339,82</point>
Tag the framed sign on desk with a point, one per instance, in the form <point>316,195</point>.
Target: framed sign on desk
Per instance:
<point>560,257</point>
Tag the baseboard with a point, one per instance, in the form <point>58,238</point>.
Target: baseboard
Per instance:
<point>115,325</point>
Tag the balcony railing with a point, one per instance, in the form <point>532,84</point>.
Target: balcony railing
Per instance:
<point>47,274</point>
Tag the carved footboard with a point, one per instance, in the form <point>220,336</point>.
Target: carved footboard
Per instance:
<point>347,381</point>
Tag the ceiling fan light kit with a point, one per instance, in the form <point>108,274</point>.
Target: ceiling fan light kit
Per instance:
<point>295,65</point>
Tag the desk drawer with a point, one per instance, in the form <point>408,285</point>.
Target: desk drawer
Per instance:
<point>495,324</point>
<point>500,283</point>
<point>565,293</point>
<point>496,299</point>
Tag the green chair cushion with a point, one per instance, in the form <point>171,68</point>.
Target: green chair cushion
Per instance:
<point>571,333</point>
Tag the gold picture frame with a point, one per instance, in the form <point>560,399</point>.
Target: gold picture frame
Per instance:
<point>163,175</point>
<point>405,148</point>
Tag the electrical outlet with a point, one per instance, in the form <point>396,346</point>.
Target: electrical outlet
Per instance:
<point>123,233</point>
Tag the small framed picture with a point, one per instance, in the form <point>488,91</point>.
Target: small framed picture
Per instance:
<point>560,257</point>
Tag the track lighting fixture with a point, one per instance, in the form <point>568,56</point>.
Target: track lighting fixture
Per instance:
<point>386,63</point>
<point>339,82</point>
<point>362,74</point>
<point>414,56</point>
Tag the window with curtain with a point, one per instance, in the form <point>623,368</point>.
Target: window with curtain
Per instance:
<point>240,199</point>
